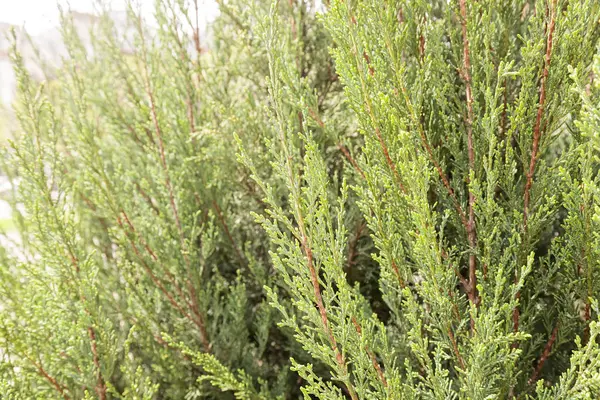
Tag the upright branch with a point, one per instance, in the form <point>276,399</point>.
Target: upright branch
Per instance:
<point>161,146</point>
<point>323,312</point>
<point>51,380</point>
<point>537,132</point>
<point>163,162</point>
<point>471,232</point>
<point>434,161</point>
<point>315,281</point>
<point>367,101</point>
<point>544,356</point>
<point>461,361</point>
<point>374,361</point>
<point>197,31</point>
<point>307,250</point>
<point>419,127</point>
<point>100,385</point>
<point>198,321</point>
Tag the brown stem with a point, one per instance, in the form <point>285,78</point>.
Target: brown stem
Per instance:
<point>504,106</point>
<point>155,257</point>
<point>385,150</point>
<point>537,133</point>
<point>147,198</point>
<point>100,385</point>
<point>197,30</point>
<point>161,147</point>
<point>199,323</point>
<point>516,313</point>
<point>163,161</point>
<point>57,386</point>
<point>352,161</point>
<point>544,355</point>
<point>367,101</point>
<point>418,125</point>
<point>322,311</point>
<point>586,316</point>
<point>374,361</point>
<point>436,164</point>
<point>340,146</point>
<point>471,228</point>
<point>397,273</point>
<point>306,249</point>
<point>353,244</point>
<point>455,348</point>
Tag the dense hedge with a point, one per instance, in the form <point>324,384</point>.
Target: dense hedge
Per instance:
<point>363,199</point>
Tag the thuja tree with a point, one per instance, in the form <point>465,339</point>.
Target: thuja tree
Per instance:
<point>355,199</point>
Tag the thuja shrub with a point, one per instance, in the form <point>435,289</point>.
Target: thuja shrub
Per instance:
<point>350,200</point>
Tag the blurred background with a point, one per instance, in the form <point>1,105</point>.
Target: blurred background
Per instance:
<point>37,27</point>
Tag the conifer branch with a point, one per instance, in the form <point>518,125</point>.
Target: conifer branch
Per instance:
<point>367,102</point>
<point>154,257</point>
<point>100,385</point>
<point>94,140</point>
<point>185,58</point>
<point>353,244</point>
<point>471,229</point>
<point>322,311</point>
<point>315,116</point>
<point>397,273</point>
<point>161,145</point>
<point>163,162</point>
<point>306,249</point>
<point>53,382</point>
<point>197,30</point>
<point>147,198</point>
<point>537,133</point>
<point>455,348</point>
<point>371,355</point>
<point>198,322</point>
<point>227,11</point>
<point>351,159</point>
<point>544,356</point>
<point>417,124</point>
<point>587,314</point>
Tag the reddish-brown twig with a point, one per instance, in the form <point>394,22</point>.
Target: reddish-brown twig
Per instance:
<point>471,229</point>
<point>57,386</point>
<point>544,356</point>
<point>163,162</point>
<point>340,146</point>
<point>100,385</point>
<point>198,322</point>
<point>374,361</point>
<point>455,348</point>
<point>351,159</point>
<point>537,133</point>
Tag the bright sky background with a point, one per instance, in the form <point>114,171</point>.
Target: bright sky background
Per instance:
<point>40,15</point>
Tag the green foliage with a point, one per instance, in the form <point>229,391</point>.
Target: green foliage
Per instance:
<point>355,200</point>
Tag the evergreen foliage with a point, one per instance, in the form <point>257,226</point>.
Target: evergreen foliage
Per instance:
<point>360,199</point>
